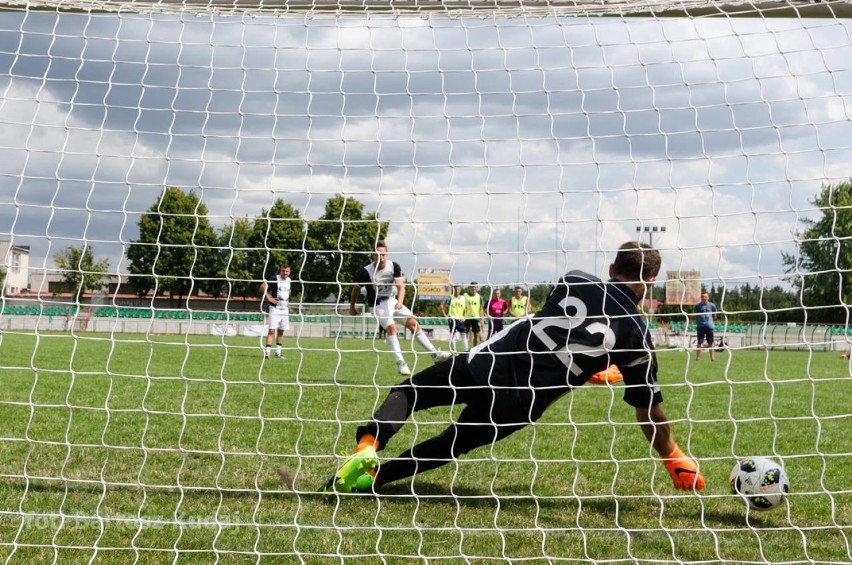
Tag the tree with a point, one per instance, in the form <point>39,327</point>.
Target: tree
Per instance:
<point>340,242</point>
<point>819,268</point>
<point>2,279</point>
<point>277,238</point>
<point>237,276</point>
<point>176,249</point>
<point>80,272</point>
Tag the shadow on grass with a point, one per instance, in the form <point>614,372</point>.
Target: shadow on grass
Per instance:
<point>426,494</point>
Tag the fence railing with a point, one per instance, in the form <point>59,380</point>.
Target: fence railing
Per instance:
<point>333,320</point>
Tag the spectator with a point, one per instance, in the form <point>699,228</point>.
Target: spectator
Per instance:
<point>474,313</point>
<point>706,311</point>
<point>497,308</point>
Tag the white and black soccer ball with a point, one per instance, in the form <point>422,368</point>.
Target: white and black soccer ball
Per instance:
<point>759,482</point>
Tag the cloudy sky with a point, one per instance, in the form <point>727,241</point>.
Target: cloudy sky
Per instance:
<point>505,149</point>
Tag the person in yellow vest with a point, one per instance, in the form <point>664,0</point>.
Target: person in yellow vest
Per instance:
<point>519,305</point>
<point>473,314</point>
<point>455,318</point>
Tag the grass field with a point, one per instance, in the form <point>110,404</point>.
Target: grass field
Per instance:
<point>165,448</point>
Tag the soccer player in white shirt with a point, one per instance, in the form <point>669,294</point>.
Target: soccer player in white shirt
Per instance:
<point>278,295</point>
<point>385,285</point>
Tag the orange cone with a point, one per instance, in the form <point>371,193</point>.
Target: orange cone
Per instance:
<point>607,376</point>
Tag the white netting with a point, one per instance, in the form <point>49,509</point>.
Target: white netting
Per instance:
<point>159,160</point>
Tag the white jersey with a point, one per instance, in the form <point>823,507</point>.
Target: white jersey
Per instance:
<point>380,283</point>
<point>281,291</point>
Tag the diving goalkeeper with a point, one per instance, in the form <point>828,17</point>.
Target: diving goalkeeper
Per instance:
<point>507,382</point>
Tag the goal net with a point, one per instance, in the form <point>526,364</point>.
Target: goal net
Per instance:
<point>160,162</point>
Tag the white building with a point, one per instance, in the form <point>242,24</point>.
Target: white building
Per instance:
<point>15,260</point>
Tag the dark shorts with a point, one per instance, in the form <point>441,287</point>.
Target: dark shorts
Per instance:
<point>450,383</point>
<point>705,334</point>
<point>496,326</point>
<point>456,326</point>
<point>472,325</point>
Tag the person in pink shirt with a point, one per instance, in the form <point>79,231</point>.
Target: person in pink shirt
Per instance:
<point>497,308</point>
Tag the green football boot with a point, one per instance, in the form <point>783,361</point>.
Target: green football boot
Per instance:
<point>356,473</point>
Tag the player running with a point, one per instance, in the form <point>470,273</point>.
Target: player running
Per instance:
<point>509,381</point>
<point>385,286</point>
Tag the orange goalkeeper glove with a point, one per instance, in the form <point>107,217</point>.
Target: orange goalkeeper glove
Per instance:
<point>684,470</point>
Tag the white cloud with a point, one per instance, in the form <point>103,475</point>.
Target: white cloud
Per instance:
<point>444,130</point>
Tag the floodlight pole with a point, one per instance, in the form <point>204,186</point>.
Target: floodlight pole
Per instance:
<point>650,230</point>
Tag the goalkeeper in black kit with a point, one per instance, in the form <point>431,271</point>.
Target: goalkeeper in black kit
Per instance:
<point>507,382</point>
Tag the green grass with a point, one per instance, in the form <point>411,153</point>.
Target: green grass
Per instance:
<point>166,447</point>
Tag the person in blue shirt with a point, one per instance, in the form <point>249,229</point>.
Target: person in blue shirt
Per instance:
<point>706,311</point>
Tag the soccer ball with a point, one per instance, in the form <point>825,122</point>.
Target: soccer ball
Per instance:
<point>760,483</point>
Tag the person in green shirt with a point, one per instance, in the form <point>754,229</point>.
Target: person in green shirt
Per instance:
<point>519,305</point>
<point>455,318</point>
<point>474,313</point>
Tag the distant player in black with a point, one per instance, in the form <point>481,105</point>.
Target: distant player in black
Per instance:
<point>509,381</point>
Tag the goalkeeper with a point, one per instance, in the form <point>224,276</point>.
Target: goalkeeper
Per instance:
<point>508,382</point>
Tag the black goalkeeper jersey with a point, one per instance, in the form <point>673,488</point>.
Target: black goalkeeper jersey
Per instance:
<point>585,326</point>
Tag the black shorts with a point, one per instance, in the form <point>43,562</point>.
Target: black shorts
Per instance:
<point>456,326</point>
<point>451,383</point>
<point>472,325</point>
<point>705,334</point>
